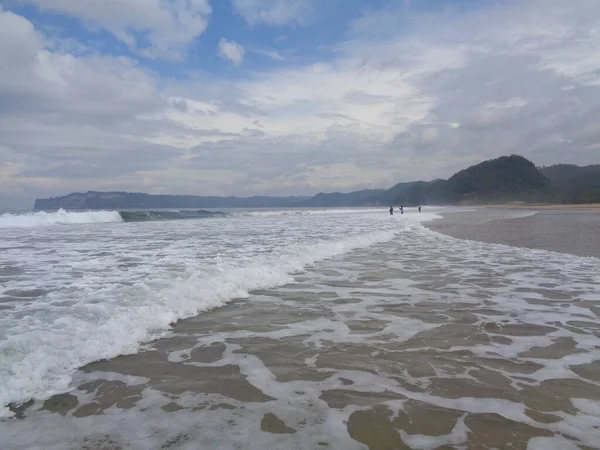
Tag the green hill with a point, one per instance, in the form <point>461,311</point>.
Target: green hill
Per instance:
<point>507,178</point>
<point>574,184</point>
<point>499,180</point>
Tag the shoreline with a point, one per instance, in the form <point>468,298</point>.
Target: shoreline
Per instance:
<point>364,352</point>
<point>543,206</point>
<point>563,230</point>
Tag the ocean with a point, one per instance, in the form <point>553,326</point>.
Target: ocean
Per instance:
<point>300,329</point>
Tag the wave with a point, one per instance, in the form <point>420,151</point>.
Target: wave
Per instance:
<point>306,212</point>
<point>60,217</point>
<point>145,216</point>
<point>42,360</point>
<point>337,210</point>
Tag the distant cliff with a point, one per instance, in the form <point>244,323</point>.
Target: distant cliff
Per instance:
<point>128,200</point>
<point>500,180</point>
<point>357,198</point>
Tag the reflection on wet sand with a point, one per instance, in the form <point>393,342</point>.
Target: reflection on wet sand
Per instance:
<point>430,343</point>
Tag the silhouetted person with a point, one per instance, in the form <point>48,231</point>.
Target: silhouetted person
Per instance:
<point>401,209</point>
<point>419,208</point>
<point>391,210</point>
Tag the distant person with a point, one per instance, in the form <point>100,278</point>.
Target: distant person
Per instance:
<point>391,210</point>
<point>419,208</point>
<point>401,209</point>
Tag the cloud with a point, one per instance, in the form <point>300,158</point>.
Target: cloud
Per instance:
<point>390,104</point>
<point>154,28</point>
<point>424,104</point>
<point>274,12</point>
<point>68,121</point>
<point>268,53</point>
<point>514,77</point>
<point>232,51</point>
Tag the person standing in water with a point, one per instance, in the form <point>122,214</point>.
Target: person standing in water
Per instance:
<point>401,209</point>
<point>391,210</point>
<point>419,208</point>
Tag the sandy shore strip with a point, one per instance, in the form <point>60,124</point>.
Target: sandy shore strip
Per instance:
<point>543,206</point>
<point>572,231</point>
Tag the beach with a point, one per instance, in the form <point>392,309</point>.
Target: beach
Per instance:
<point>542,206</point>
<point>417,340</point>
<point>556,228</point>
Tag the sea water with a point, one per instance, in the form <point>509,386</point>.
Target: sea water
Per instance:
<point>305,329</point>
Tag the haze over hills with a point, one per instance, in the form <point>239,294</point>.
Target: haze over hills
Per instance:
<point>500,180</point>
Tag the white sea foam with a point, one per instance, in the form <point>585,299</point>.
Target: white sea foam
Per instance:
<point>60,217</point>
<point>555,443</point>
<point>105,300</point>
<point>342,211</point>
<point>458,437</point>
<point>309,212</point>
<point>355,319</point>
<point>510,215</point>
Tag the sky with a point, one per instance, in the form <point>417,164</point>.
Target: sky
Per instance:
<point>288,97</point>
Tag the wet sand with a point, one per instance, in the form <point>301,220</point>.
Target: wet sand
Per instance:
<point>542,206</point>
<point>427,342</point>
<point>575,231</point>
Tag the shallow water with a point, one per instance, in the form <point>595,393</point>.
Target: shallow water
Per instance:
<point>420,341</point>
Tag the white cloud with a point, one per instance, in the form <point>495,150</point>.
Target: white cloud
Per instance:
<point>274,12</point>
<point>268,53</point>
<point>167,26</point>
<point>64,119</point>
<point>388,106</point>
<point>232,51</point>
<point>431,96</point>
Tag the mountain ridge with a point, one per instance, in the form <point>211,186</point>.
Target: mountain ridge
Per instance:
<point>499,180</point>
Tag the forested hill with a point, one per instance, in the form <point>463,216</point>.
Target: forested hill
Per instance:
<point>500,180</point>
<point>506,179</point>
<point>574,184</point>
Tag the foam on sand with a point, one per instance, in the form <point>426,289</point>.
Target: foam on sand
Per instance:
<point>430,341</point>
<point>43,346</point>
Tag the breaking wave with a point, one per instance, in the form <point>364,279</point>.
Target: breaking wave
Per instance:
<point>144,216</point>
<point>40,360</point>
<point>62,217</point>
